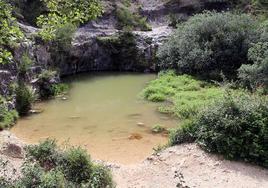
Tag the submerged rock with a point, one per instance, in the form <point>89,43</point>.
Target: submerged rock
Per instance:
<point>135,136</point>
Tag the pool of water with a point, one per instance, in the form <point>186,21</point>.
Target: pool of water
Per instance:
<point>103,113</point>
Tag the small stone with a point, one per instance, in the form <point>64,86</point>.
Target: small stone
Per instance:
<point>140,124</point>
<point>135,136</point>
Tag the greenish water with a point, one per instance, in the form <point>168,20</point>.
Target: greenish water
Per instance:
<point>101,114</point>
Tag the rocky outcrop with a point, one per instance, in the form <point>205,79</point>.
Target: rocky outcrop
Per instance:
<point>99,49</point>
<point>160,11</point>
<point>97,45</point>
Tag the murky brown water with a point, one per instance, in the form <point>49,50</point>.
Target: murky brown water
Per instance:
<point>101,113</point>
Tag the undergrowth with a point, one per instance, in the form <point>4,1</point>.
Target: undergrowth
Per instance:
<point>182,96</point>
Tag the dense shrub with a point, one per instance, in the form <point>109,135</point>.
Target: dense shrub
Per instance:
<point>209,43</point>
<point>77,166</point>
<point>186,133</point>
<point>10,33</point>
<point>47,166</point>
<point>45,153</point>
<point>127,19</point>
<point>23,67</point>
<point>7,116</point>
<point>100,177</point>
<point>255,76</point>
<point>64,36</point>
<point>25,96</point>
<point>62,12</point>
<point>236,127</point>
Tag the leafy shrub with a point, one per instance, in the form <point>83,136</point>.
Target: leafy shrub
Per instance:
<point>47,166</point>
<point>59,89</point>
<point>64,36</point>
<point>77,166</point>
<point>53,179</point>
<point>237,127</point>
<point>101,177</point>
<point>24,67</point>
<point>187,132</point>
<point>209,43</point>
<point>7,116</point>
<point>25,96</point>
<point>62,12</point>
<point>256,76</point>
<point>45,153</point>
<point>127,19</point>
<point>10,33</point>
<point>31,176</point>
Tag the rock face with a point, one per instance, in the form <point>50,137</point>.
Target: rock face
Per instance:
<point>100,46</point>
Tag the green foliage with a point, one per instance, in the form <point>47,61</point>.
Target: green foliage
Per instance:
<point>59,89</point>
<point>45,153</point>
<point>100,178</point>
<point>53,179</point>
<point>209,43</point>
<point>25,96</point>
<point>24,67</point>
<point>77,166</point>
<point>127,19</point>
<point>7,116</point>
<point>184,134</point>
<point>183,95</point>
<point>48,166</point>
<point>236,127</point>
<point>158,129</point>
<point>64,36</point>
<point>10,33</point>
<point>62,12</point>
<point>256,76</point>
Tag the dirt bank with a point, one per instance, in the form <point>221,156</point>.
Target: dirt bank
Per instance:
<point>188,165</point>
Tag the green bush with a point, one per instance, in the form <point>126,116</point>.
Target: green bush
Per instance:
<point>256,76</point>
<point>101,177</point>
<point>210,43</point>
<point>48,166</point>
<point>77,166</point>
<point>59,89</point>
<point>25,96</point>
<point>48,86</point>
<point>186,133</point>
<point>45,153</point>
<point>7,116</point>
<point>237,127</point>
<point>64,36</point>
<point>127,19</point>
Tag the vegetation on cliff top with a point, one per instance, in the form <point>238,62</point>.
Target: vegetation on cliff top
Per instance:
<point>62,12</point>
<point>10,34</point>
